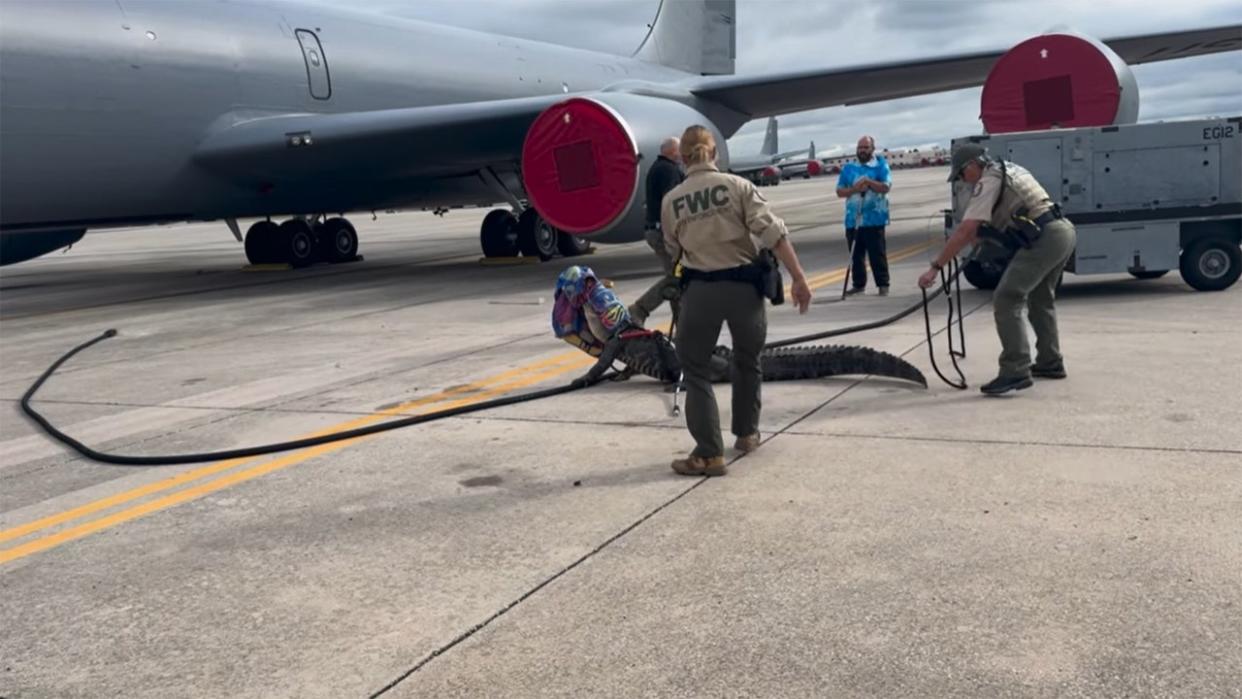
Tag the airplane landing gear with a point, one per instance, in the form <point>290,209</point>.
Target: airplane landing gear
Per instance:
<point>572,245</point>
<point>536,237</point>
<point>260,247</point>
<point>504,235</point>
<point>298,243</point>
<point>338,240</point>
<point>498,234</point>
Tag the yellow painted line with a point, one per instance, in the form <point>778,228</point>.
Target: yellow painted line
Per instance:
<point>220,466</point>
<point>821,280</point>
<point>553,366</point>
<point>197,491</point>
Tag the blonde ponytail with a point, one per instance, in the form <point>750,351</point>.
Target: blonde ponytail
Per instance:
<point>697,146</point>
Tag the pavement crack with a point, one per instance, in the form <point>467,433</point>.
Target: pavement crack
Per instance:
<point>468,633</point>
<point>1017,442</point>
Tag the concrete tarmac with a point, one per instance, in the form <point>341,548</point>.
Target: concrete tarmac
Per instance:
<point>1080,538</point>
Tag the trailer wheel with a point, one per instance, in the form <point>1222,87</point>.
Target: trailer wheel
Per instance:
<point>1211,264</point>
<point>1148,273</point>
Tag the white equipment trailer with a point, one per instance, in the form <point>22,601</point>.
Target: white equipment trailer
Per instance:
<point>1144,198</point>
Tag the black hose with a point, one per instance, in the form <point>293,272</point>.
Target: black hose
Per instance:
<point>947,278</point>
<point>265,448</point>
<point>577,384</point>
<point>849,329</point>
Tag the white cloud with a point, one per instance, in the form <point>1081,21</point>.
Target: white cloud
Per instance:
<point>782,35</point>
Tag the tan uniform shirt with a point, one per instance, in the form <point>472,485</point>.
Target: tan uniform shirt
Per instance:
<point>710,218</point>
<point>1023,190</point>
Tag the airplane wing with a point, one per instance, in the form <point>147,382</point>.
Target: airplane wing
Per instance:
<point>442,140</point>
<point>766,95</point>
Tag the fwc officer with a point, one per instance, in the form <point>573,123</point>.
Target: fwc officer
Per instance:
<point>708,222</point>
<point>1008,205</point>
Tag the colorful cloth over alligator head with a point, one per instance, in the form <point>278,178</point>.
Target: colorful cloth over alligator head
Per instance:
<point>586,313</point>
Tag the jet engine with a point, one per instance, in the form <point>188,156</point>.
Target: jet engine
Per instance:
<point>813,168</point>
<point>585,160</point>
<point>1058,80</point>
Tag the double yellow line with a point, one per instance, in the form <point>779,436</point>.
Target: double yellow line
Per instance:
<point>234,471</point>
<point>469,394</point>
<point>822,280</point>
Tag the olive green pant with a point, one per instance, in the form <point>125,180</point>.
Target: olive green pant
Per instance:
<point>1030,282</point>
<point>705,306</point>
<point>668,288</point>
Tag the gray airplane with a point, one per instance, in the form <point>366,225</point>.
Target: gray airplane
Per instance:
<point>128,112</point>
<point>761,168</point>
<point>806,166</point>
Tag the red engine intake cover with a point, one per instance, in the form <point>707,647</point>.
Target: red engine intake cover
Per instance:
<point>813,168</point>
<point>1051,80</point>
<point>579,166</point>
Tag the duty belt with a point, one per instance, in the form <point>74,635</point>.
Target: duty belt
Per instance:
<point>1049,216</point>
<point>764,273</point>
<point>750,273</point>
<point>1022,231</point>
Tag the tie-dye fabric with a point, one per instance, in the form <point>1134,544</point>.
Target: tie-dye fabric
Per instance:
<point>867,208</point>
<point>574,300</point>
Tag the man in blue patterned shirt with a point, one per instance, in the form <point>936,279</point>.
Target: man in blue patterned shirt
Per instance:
<point>864,186</point>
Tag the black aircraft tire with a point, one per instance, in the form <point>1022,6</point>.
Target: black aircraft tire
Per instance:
<point>536,237</point>
<point>498,234</point>
<point>1211,264</point>
<point>338,239</point>
<point>261,239</point>
<point>297,243</point>
<point>572,245</point>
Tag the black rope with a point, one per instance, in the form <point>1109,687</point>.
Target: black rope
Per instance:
<point>580,383</point>
<point>260,450</point>
<point>947,278</point>
<point>850,329</point>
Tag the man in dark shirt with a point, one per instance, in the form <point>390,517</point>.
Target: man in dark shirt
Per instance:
<point>665,174</point>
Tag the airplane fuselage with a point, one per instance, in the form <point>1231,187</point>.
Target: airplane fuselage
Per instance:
<point>104,103</point>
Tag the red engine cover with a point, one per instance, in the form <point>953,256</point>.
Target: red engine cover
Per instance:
<point>579,165</point>
<point>813,168</point>
<point>1051,80</point>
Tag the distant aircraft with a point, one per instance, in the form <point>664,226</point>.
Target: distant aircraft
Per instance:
<point>806,167</point>
<point>762,168</point>
<point>129,112</point>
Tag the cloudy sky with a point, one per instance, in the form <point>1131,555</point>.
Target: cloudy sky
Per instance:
<point>780,35</point>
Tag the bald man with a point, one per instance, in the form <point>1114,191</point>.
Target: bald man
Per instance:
<point>864,185</point>
<point>665,174</point>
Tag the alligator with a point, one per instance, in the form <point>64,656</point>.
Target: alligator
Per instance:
<point>652,354</point>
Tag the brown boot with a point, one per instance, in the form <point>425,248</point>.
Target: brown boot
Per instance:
<point>747,444</point>
<point>701,466</point>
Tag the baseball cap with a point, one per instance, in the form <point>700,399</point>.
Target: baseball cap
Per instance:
<point>962,156</point>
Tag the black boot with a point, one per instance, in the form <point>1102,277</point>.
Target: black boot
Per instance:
<point>1004,384</point>
<point>1052,371</point>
